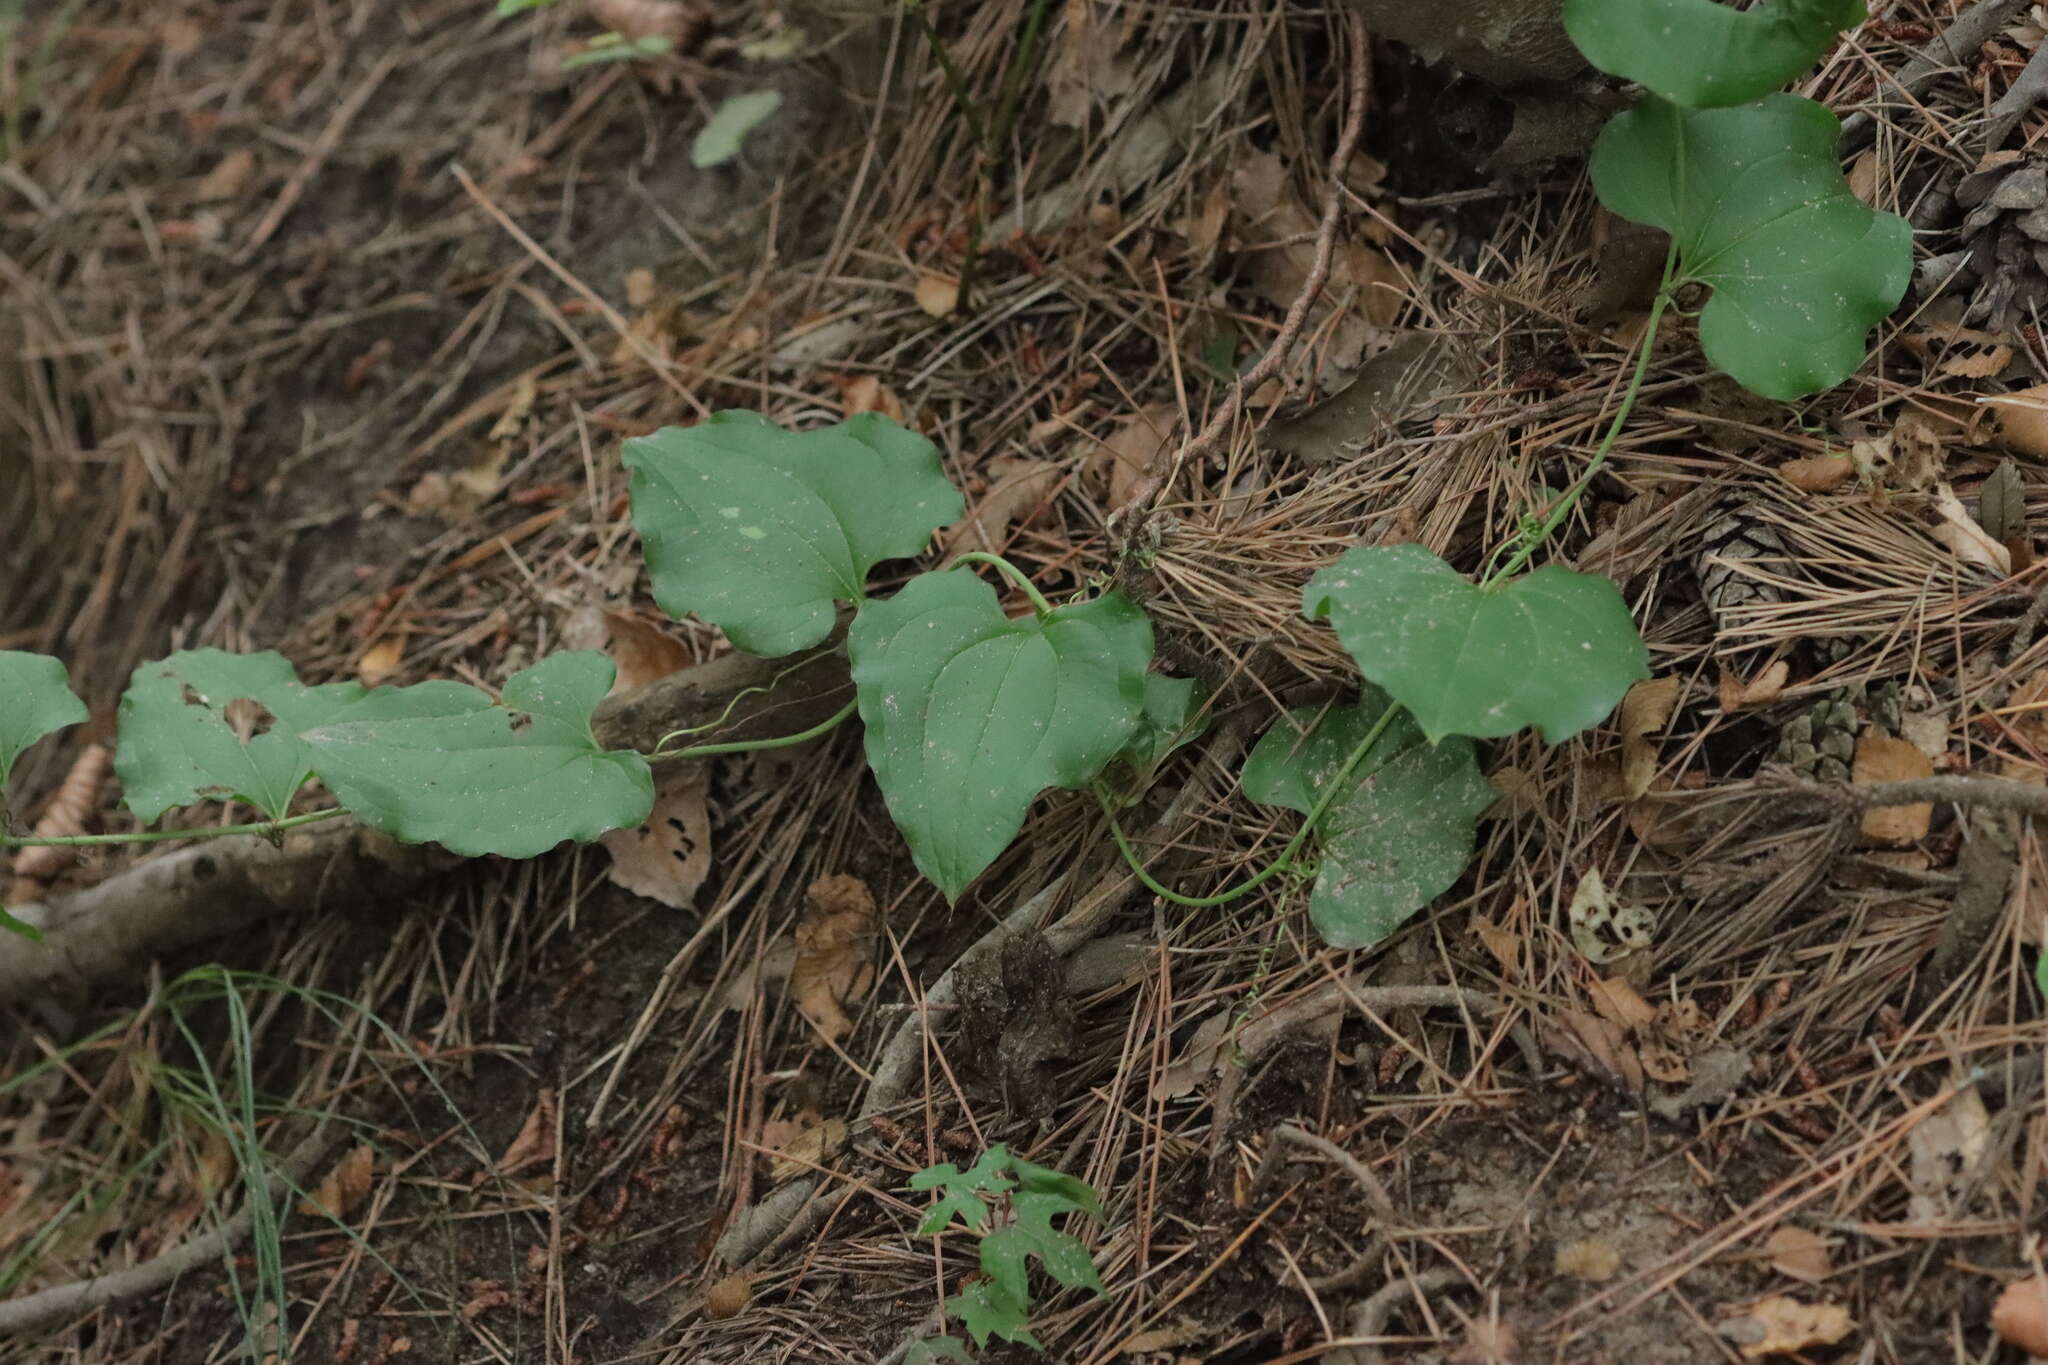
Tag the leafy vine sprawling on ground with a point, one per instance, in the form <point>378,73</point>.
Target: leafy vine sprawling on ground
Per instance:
<point>1235,530</point>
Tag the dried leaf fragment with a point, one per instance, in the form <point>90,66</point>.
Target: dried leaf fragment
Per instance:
<point>1777,1326</point>
<point>1021,488</point>
<point>1818,473</point>
<point>1880,758</point>
<point>1799,1252</point>
<point>2020,1317</point>
<point>2002,503</point>
<point>1960,532</point>
<point>343,1187</point>
<point>534,1143</point>
<point>641,652</point>
<point>667,858</point>
<point>1592,1259</point>
<point>937,294</point>
<point>229,177</point>
<point>835,943</point>
<point>728,1297</point>
<point>1645,710</point>
<point>1763,689</point>
<point>1120,462</point>
<point>2022,418</point>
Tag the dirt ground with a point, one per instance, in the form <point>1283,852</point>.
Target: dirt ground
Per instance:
<point>324,322</point>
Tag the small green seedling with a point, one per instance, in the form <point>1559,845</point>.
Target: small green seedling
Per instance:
<point>998,1304</point>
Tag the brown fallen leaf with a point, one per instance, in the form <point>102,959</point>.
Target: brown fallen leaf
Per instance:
<point>1761,690</point>
<point>229,177</point>
<point>1943,1150</point>
<point>1779,1326</point>
<point>1019,490</point>
<point>1667,824</point>
<point>380,660</point>
<point>835,942</point>
<point>1119,463</point>
<point>1597,1045</point>
<point>1818,473</point>
<point>2022,419</point>
<point>343,1187</point>
<point>1880,758</point>
<point>1620,1003</point>
<point>534,1143</point>
<point>670,19</point>
<point>728,1297</point>
<point>1279,233</point>
<point>2020,1317</point>
<point>937,294</point>
<point>1592,1259</point>
<point>454,498</point>
<point>1645,710</point>
<point>1984,364</point>
<point>668,856</point>
<point>859,393</point>
<point>1604,927</point>
<point>799,1146</point>
<point>1085,66</point>
<point>641,652</point>
<point>2002,503</point>
<point>1799,1252</point>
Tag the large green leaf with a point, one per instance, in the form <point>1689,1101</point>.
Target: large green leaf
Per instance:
<point>35,700</point>
<point>1397,835</point>
<point>1553,649</point>
<point>759,530</point>
<point>970,715</point>
<point>441,762</point>
<point>178,742</point>
<point>1699,53</point>
<point>1754,198</point>
<point>1003,1251</point>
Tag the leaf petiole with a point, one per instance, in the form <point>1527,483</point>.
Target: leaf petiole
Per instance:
<point>1009,571</point>
<point>157,836</point>
<point>743,746</point>
<point>1535,541</point>
<point>1278,865</point>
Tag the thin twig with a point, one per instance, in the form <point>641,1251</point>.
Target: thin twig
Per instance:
<point>51,1306</point>
<point>1154,485</point>
<point>1996,792</point>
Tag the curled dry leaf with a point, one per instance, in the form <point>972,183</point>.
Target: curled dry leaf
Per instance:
<point>2022,419</point>
<point>1279,233</point>
<point>1818,473</point>
<point>454,498</point>
<point>343,1187</point>
<point>641,652</point>
<point>2002,503</point>
<point>835,943</point>
<point>1780,1326</point>
<point>1620,1003</point>
<point>1762,690</point>
<point>937,294</point>
<point>802,1144</point>
<point>728,1297</point>
<point>1880,758</point>
<point>1799,1252</point>
<point>668,857</point>
<point>2020,1317</point>
<point>1645,710</point>
<point>1962,534</point>
<point>381,660</point>
<point>534,1144</point>
<point>1019,491</point>
<point>1603,927</point>
<point>1596,1045</point>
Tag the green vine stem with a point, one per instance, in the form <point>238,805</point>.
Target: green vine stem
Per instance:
<point>266,828</point>
<point>745,746</point>
<point>1011,572</point>
<point>1570,497</point>
<point>1278,865</point>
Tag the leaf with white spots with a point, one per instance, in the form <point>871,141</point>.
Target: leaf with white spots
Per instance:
<point>1554,649</point>
<point>1700,53</point>
<point>970,715</point>
<point>1399,833</point>
<point>760,530</point>
<point>1757,204</point>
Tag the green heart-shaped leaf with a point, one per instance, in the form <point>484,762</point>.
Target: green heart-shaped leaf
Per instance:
<point>1553,649</point>
<point>760,530</point>
<point>35,700</point>
<point>970,715</point>
<point>177,744</point>
<point>1169,720</point>
<point>1756,202</point>
<point>1399,834</point>
<point>441,762</point>
<point>1699,53</point>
